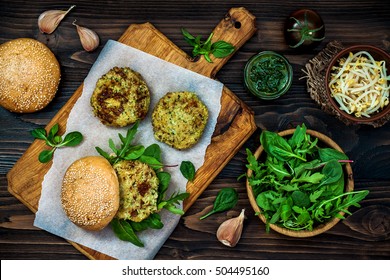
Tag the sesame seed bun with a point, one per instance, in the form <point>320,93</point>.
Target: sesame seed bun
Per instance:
<point>29,75</point>
<point>90,192</point>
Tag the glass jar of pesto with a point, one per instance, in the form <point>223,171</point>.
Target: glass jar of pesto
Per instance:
<point>268,75</point>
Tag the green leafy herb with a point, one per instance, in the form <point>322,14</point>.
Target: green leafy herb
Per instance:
<point>187,168</point>
<point>55,141</point>
<point>124,231</point>
<point>299,185</point>
<point>277,146</point>
<point>226,199</point>
<point>151,155</point>
<point>219,49</point>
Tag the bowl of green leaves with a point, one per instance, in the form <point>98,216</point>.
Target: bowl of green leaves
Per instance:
<point>300,182</point>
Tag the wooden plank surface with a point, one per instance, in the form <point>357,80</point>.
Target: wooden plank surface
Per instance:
<point>364,235</point>
<point>26,177</point>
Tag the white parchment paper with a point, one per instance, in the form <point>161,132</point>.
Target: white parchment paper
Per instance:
<point>161,77</point>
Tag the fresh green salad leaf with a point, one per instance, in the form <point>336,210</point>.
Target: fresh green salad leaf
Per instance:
<point>187,168</point>
<point>299,185</point>
<point>151,155</point>
<point>124,231</point>
<point>219,49</point>
<point>226,199</point>
<point>55,141</point>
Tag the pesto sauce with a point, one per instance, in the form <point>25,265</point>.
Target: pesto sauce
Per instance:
<point>269,74</point>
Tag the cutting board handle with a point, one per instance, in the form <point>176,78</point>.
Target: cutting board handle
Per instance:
<point>237,27</point>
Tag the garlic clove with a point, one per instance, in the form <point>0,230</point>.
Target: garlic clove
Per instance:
<point>229,232</point>
<point>88,38</point>
<point>49,20</point>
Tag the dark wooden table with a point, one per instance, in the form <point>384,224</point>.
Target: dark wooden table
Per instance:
<point>364,235</point>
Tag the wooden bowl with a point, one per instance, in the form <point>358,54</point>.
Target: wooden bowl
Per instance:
<point>323,141</point>
<point>378,54</point>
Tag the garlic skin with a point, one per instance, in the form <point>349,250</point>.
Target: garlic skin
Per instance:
<point>88,38</point>
<point>49,20</point>
<point>229,232</point>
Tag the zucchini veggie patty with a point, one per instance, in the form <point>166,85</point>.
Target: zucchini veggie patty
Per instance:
<point>138,190</point>
<point>121,97</point>
<point>179,119</point>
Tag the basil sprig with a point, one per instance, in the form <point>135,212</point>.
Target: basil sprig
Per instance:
<point>298,184</point>
<point>219,49</point>
<point>127,230</point>
<point>55,141</point>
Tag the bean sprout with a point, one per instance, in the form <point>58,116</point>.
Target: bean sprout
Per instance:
<point>360,84</point>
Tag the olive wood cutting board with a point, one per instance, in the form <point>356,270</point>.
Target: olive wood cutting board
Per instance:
<point>235,122</point>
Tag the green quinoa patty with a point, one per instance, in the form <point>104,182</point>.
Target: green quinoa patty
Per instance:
<point>179,119</point>
<point>138,190</point>
<point>121,97</point>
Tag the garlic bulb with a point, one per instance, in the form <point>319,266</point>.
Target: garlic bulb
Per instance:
<point>49,20</point>
<point>229,232</point>
<point>88,38</point>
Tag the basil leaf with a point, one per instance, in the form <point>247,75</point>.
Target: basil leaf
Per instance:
<point>207,57</point>
<point>125,232</point>
<point>134,152</point>
<point>265,201</point>
<point>314,178</point>
<point>298,137</point>
<point>300,199</point>
<point>221,49</point>
<point>327,154</point>
<point>277,167</point>
<point>311,165</point>
<point>336,188</point>
<point>39,133</point>
<point>164,178</point>
<point>188,37</point>
<point>187,168</point>
<point>153,150</point>
<point>153,221</point>
<point>151,161</point>
<point>104,154</point>
<point>285,212</point>
<point>72,139</point>
<point>173,209</point>
<point>52,132</point>
<point>277,146</point>
<point>45,156</point>
<point>207,45</point>
<point>139,226</point>
<point>332,172</point>
<point>226,199</point>
<point>171,203</point>
<point>126,141</point>
<point>55,141</point>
